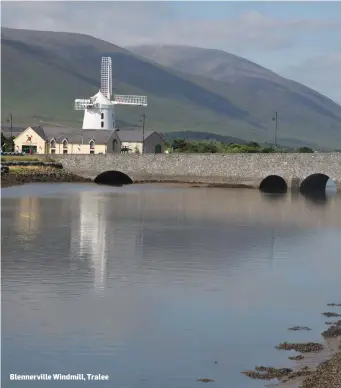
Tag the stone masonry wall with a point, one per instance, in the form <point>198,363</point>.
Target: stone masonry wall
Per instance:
<point>248,169</point>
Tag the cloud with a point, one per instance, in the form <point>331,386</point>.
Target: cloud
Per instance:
<point>274,42</point>
<point>320,73</point>
<point>132,23</point>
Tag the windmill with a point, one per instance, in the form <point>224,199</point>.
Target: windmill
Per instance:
<point>99,109</point>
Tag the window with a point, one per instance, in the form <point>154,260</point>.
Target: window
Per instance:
<point>102,124</point>
<point>65,146</point>
<point>102,116</point>
<point>53,146</point>
<point>92,146</point>
<point>114,144</point>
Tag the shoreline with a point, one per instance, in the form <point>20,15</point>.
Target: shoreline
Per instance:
<point>317,365</point>
<point>52,176</point>
<point>326,364</point>
<point>196,184</point>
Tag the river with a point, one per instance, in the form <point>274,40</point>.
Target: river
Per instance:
<point>158,286</point>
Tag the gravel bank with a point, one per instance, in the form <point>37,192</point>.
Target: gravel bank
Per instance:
<point>319,367</point>
<point>326,375</point>
<point>42,175</point>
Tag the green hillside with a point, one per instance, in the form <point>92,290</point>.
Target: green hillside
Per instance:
<point>43,72</point>
<point>303,112</point>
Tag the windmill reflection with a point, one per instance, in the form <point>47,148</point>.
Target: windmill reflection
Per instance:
<point>28,217</point>
<point>89,236</point>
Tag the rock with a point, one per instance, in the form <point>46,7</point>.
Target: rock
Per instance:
<point>267,373</point>
<point>333,331</point>
<point>303,372</point>
<point>206,380</point>
<point>295,328</point>
<point>299,357</point>
<point>301,347</point>
<point>330,314</point>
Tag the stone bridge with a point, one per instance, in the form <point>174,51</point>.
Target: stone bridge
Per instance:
<point>267,172</point>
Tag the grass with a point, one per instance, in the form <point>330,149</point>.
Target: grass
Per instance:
<point>29,169</point>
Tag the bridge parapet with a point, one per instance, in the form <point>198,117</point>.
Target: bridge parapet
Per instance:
<point>234,169</point>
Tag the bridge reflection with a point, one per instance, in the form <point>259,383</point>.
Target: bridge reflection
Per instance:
<point>314,184</point>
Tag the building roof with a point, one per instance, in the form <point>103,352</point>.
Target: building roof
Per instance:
<point>16,131</point>
<point>133,136</point>
<point>99,98</point>
<point>40,131</point>
<point>78,136</point>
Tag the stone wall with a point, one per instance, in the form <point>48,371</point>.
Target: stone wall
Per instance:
<point>240,169</point>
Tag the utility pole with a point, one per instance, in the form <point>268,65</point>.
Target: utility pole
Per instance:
<point>275,119</point>
<point>143,121</point>
<point>11,121</point>
<point>11,125</point>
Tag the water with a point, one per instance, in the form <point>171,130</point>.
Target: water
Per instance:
<point>153,284</point>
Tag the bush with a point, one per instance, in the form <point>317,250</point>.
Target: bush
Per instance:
<point>305,150</point>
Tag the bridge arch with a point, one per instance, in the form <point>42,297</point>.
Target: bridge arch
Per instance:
<point>113,178</point>
<point>273,184</point>
<point>314,183</point>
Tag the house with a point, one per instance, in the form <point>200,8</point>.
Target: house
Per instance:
<point>132,141</point>
<point>31,140</point>
<point>86,141</point>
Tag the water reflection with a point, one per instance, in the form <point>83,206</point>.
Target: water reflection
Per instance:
<point>273,197</point>
<point>185,276</point>
<point>27,217</point>
<point>317,198</point>
<point>89,236</point>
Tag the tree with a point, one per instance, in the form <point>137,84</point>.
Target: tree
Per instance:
<point>180,145</point>
<point>305,150</point>
<point>7,143</point>
<point>3,140</point>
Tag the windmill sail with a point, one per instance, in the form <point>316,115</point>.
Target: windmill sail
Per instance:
<point>106,77</point>
<point>99,109</point>
<point>130,100</point>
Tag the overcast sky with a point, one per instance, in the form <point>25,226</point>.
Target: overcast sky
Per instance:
<point>299,40</point>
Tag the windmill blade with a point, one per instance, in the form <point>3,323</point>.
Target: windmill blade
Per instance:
<point>130,100</point>
<point>106,77</point>
<point>81,104</point>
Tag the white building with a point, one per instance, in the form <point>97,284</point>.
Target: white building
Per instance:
<point>87,141</point>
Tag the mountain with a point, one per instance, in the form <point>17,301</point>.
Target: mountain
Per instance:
<point>303,112</point>
<point>43,72</point>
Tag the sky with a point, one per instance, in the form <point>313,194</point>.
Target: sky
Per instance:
<point>298,40</point>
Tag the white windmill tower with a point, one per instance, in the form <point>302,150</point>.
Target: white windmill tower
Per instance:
<point>99,109</point>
